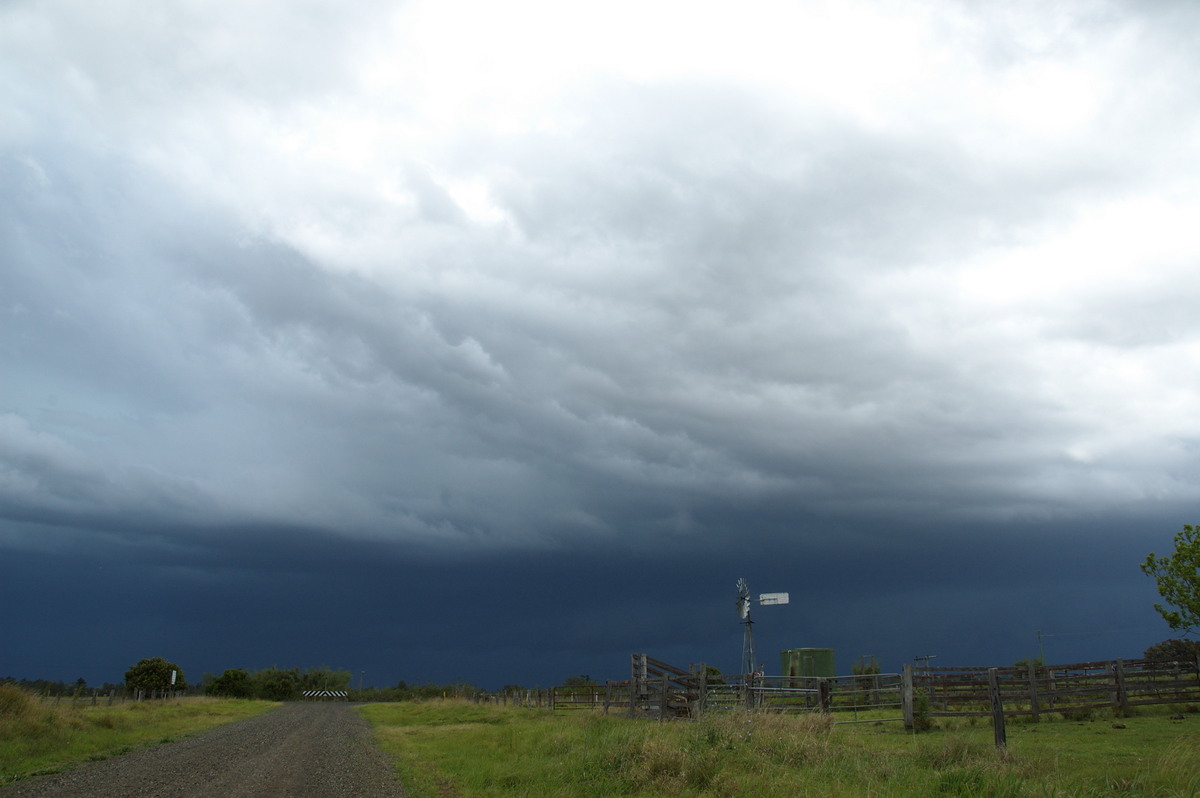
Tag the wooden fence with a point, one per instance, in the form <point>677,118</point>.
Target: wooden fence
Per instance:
<point>1066,689</point>
<point>659,690</point>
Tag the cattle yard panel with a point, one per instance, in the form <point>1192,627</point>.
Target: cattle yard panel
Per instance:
<point>1066,689</point>
<point>659,690</point>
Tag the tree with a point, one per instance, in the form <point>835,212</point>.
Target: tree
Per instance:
<point>1174,650</point>
<point>154,674</point>
<point>323,678</point>
<point>274,684</point>
<point>582,680</point>
<point>866,667</point>
<point>233,683</point>
<point>1178,578</point>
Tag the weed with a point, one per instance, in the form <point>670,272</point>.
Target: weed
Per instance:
<point>921,710</point>
<point>15,702</point>
<point>956,751</point>
<point>960,781</point>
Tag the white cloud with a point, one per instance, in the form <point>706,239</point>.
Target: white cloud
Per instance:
<point>461,269</point>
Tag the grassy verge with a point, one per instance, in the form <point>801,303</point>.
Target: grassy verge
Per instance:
<point>39,736</point>
<point>448,749</point>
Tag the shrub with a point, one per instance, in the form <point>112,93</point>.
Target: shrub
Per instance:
<point>15,702</point>
<point>1173,650</point>
<point>921,708</point>
<point>233,683</point>
<point>154,673</point>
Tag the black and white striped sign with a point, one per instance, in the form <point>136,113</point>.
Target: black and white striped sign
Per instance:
<point>324,694</point>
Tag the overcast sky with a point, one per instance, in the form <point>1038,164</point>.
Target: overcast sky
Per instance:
<point>496,341</point>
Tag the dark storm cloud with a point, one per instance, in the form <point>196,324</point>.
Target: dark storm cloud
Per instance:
<point>253,597</point>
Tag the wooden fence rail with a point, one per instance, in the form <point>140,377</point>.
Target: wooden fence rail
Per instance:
<point>659,690</point>
<point>1067,689</point>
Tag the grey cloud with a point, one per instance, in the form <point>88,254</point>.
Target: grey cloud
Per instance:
<point>668,329</point>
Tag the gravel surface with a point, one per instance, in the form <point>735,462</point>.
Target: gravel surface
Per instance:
<point>314,750</point>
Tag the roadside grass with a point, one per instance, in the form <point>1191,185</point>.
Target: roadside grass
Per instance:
<point>455,749</point>
<point>39,736</point>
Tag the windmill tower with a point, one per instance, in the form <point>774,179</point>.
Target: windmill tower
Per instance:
<point>749,662</point>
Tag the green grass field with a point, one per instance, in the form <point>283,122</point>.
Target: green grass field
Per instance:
<point>41,736</point>
<point>447,749</point>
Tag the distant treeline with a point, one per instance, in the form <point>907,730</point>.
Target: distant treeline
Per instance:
<point>48,687</point>
<point>278,684</point>
<point>406,692</point>
<point>274,684</point>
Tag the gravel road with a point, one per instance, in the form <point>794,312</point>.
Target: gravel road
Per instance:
<point>309,750</point>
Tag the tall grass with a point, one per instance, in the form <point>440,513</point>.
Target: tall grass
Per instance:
<point>459,749</point>
<point>39,736</point>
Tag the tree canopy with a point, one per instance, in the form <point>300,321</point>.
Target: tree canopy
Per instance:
<point>276,684</point>
<point>1178,578</point>
<point>155,674</point>
<point>233,683</point>
<point>581,680</point>
<point>1173,650</point>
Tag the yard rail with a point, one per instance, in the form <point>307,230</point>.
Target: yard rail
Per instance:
<point>659,690</point>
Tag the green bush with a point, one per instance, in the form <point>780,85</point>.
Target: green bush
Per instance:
<point>921,709</point>
<point>15,702</point>
<point>154,674</point>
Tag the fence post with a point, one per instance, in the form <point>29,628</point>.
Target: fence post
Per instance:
<point>1033,693</point>
<point>1120,700</point>
<point>997,707</point>
<point>906,696</point>
<point>662,697</point>
<point>824,695</point>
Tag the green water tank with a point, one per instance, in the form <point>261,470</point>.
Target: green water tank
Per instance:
<point>807,662</point>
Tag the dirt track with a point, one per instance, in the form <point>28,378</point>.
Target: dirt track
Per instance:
<point>319,750</point>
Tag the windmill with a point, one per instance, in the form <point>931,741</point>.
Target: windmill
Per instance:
<point>744,600</point>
